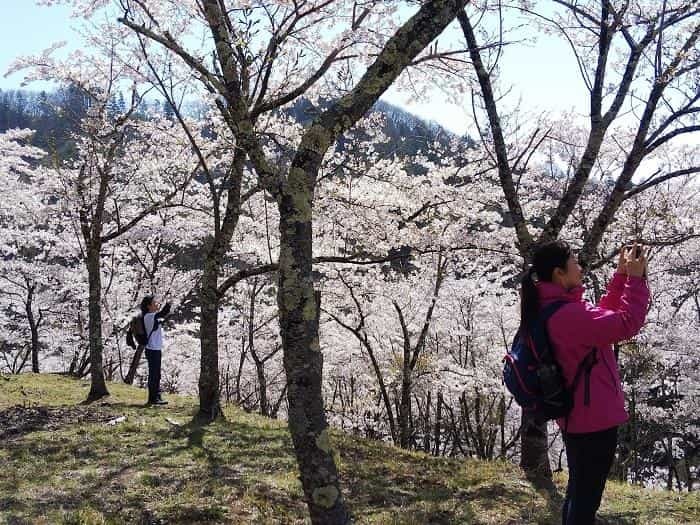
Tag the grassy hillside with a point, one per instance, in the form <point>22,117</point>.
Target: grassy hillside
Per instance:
<point>65,463</point>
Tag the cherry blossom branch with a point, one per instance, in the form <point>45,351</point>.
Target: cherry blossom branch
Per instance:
<point>655,181</point>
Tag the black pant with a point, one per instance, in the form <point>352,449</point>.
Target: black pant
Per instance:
<point>590,457</point>
<point>153,358</point>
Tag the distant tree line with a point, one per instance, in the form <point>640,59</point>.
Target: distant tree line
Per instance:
<point>54,114</point>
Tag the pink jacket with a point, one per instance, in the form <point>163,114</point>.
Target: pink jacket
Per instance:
<point>578,327</point>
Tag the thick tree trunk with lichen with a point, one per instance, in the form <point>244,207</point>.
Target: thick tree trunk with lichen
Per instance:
<point>298,303</point>
<point>299,309</point>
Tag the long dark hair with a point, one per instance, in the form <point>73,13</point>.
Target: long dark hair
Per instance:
<point>546,258</point>
<point>145,303</point>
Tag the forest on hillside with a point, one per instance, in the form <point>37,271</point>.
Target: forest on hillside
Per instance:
<point>332,259</point>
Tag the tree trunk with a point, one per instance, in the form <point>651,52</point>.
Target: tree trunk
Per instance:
<point>438,423</point>
<point>241,362</point>
<point>134,366</point>
<point>259,363</point>
<point>299,304</point>
<point>382,388</point>
<point>534,456</point>
<point>209,401</point>
<point>34,329</point>
<point>669,450</point>
<point>502,426</point>
<point>426,423</point>
<point>209,385</point>
<point>405,409</point>
<point>262,385</point>
<point>688,472</point>
<point>299,310</point>
<point>98,387</point>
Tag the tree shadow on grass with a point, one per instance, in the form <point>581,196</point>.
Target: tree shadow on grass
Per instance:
<point>233,443</point>
<point>237,463</point>
<point>18,421</point>
<point>238,458</point>
<point>554,499</point>
<point>243,458</point>
<point>401,488</point>
<point>103,491</point>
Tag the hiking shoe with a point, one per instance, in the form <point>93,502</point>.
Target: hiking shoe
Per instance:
<point>160,402</point>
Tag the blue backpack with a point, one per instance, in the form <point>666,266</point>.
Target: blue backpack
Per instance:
<point>533,376</point>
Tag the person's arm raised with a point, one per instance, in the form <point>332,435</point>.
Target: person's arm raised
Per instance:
<point>164,312</point>
<point>597,326</point>
<point>611,300</point>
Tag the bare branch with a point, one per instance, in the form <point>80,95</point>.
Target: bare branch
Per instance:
<point>505,173</point>
<point>655,181</point>
<point>209,79</point>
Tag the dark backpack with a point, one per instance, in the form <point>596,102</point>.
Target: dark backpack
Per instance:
<point>136,333</point>
<point>533,376</point>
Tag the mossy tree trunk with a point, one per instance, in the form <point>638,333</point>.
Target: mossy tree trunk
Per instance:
<point>299,303</point>
<point>297,299</point>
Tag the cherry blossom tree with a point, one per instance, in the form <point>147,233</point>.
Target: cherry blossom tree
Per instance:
<point>249,82</point>
<point>123,170</point>
<point>639,64</point>
<point>29,249</point>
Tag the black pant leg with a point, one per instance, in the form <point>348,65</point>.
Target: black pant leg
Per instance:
<point>157,381</point>
<point>572,459</point>
<point>603,455</point>
<point>153,358</point>
<point>591,457</point>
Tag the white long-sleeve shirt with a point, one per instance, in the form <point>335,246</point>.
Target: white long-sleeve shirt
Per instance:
<point>155,337</point>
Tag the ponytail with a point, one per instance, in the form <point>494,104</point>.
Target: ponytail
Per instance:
<point>529,300</point>
<point>546,258</point>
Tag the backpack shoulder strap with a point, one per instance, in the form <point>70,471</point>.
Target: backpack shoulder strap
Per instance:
<point>148,334</point>
<point>584,367</point>
<point>549,310</point>
<point>538,331</point>
<point>540,322</point>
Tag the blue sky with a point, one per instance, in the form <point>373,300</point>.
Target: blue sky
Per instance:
<point>26,29</point>
<point>543,75</point>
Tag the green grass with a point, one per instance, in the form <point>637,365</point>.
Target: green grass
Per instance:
<point>62,464</point>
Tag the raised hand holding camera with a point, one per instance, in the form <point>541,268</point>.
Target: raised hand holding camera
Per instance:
<point>636,260</point>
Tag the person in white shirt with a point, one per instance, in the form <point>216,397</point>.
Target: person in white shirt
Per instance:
<point>153,318</point>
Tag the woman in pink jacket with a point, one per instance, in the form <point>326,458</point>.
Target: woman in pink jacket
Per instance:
<point>582,333</point>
